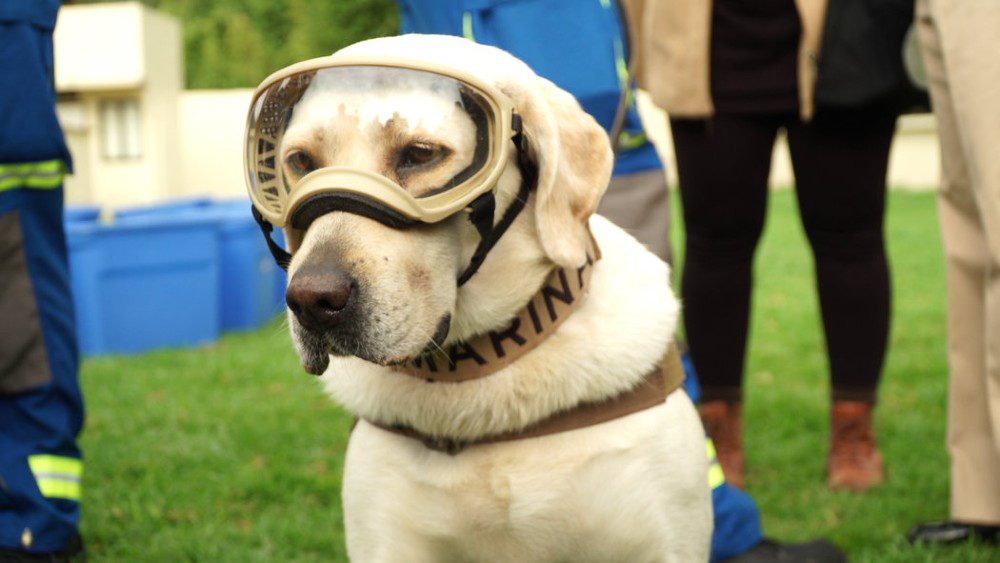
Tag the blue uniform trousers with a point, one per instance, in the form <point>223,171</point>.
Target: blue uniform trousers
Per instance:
<point>41,410</point>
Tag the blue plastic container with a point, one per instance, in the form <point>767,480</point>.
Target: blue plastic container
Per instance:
<point>276,302</point>
<point>167,210</point>
<point>81,213</point>
<point>248,280</point>
<point>145,282</point>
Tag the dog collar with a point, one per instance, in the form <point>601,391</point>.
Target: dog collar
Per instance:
<point>651,391</point>
<point>561,294</point>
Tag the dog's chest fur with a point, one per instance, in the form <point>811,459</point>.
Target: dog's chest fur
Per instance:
<point>633,489</point>
<point>620,491</point>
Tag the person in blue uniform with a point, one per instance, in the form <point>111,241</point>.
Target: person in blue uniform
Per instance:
<point>582,46</point>
<point>41,409</point>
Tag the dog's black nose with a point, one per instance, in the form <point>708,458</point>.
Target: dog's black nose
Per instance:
<point>320,300</point>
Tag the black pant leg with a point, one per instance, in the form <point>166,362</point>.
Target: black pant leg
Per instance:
<point>723,166</point>
<point>840,161</point>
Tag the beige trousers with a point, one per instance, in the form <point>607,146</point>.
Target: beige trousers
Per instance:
<point>961,50</point>
<point>640,204</point>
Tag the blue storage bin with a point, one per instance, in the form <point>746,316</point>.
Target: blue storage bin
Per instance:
<point>279,281</point>
<point>248,280</point>
<point>81,213</point>
<point>145,282</point>
<point>166,210</point>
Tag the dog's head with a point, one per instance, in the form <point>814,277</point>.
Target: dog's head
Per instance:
<point>358,287</point>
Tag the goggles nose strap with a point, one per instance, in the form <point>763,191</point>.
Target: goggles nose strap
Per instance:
<point>281,256</point>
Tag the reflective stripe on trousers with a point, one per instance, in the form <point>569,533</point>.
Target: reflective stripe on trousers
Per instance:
<point>57,476</point>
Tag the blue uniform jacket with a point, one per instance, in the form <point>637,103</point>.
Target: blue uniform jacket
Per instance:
<point>579,45</point>
<point>29,130</point>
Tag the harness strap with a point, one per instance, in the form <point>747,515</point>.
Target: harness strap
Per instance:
<point>653,390</point>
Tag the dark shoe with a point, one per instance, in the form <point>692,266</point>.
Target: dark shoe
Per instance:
<point>722,421</point>
<point>949,532</point>
<point>816,551</point>
<point>854,463</point>
<point>73,553</point>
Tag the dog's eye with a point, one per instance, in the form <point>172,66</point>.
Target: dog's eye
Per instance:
<point>416,155</point>
<point>300,162</point>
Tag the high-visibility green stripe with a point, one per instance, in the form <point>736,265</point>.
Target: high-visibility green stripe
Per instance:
<point>59,488</point>
<point>467,26</point>
<point>621,67</point>
<point>57,476</point>
<point>55,464</point>
<point>39,175</point>
<point>628,141</point>
<point>716,477</point>
<point>42,167</point>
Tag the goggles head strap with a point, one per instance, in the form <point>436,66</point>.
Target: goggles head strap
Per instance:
<point>482,208</point>
<point>281,256</point>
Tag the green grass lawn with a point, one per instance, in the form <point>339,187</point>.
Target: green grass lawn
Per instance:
<point>231,453</point>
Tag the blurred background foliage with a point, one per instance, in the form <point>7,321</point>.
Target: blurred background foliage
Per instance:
<point>237,43</point>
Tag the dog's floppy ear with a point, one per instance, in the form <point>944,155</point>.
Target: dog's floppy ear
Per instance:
<point>574,162</point>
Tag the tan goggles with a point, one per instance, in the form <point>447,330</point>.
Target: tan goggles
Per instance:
<point>419,141</point>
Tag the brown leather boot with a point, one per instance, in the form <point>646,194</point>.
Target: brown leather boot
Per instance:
<point>854,463</point>
<point>722,421</point>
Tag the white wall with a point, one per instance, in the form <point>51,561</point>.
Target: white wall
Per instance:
<point>76,126</point>
<point>211,142</point>
<point>99,46</point>
<point>164,84</point>
<point>119,51</point>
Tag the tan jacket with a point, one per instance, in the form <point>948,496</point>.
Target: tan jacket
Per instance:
<point>671,42</point>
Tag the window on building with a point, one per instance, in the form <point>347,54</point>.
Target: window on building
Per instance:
<point>120,129</point>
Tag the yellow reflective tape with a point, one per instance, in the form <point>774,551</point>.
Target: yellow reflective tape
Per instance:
<point>42,167</point>
<point>58,488</point>
<point>55,465</point>
<point>716,477</point>
<point>57,476</point>
<point>40,175</point>
<point>44,182</point>
<point>467,26</point>
<point>628,141</point>
<point>621,67</point>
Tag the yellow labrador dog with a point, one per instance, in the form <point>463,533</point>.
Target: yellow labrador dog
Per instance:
<point>630,489</point>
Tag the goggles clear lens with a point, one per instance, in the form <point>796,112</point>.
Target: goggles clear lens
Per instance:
<point>420,132</point>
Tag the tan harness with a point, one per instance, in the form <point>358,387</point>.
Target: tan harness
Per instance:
<point>486,354</point>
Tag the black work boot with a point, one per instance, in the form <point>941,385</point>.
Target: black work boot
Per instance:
<point>770,551</point>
